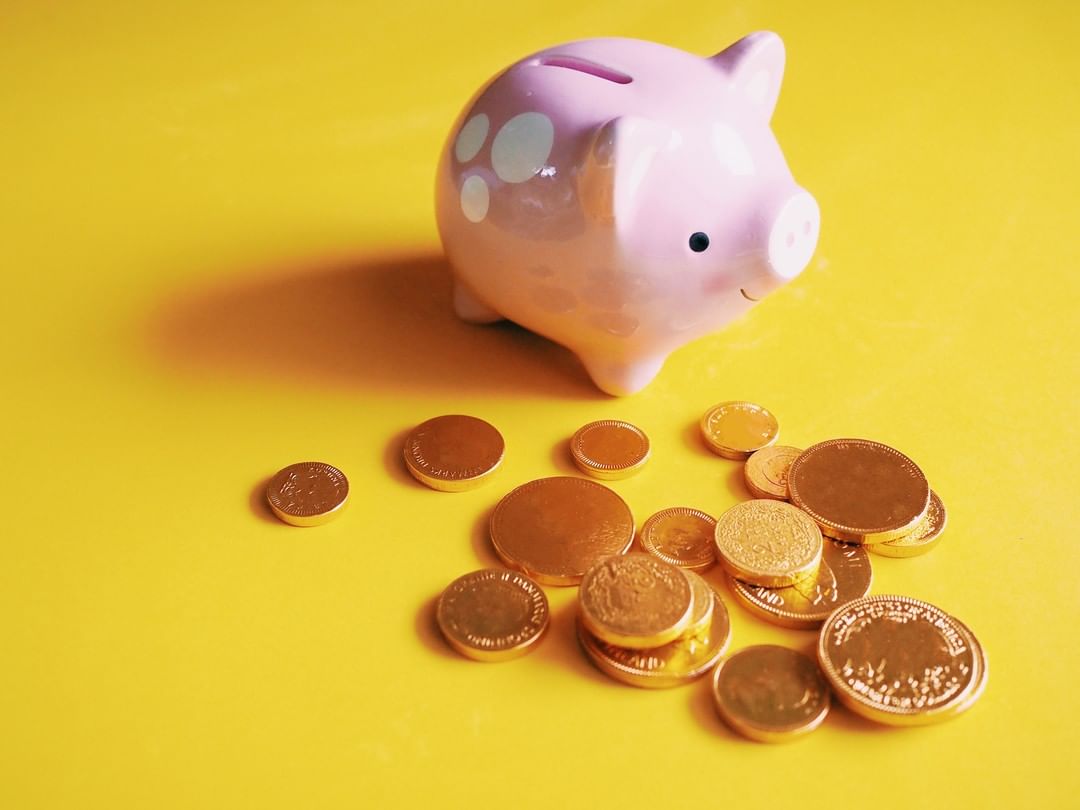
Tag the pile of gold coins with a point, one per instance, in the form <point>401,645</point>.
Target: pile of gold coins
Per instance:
<point>796,555</point>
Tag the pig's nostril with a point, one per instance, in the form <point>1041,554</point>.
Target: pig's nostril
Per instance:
<point>790,239</point>
<point>807,227</point>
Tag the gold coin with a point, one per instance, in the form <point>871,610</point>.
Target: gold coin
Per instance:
<point>635,601</point>
<point>844,574</point>
<point>737,429</point>
<point>766,542</point>
<point>898,660</point>
<point>766,471</point>
<point>673,664</point>
<point>556,529</point>
<point>492,615</point>
<point>681,536</point>
<point>770,693</point>
<point>453,453</point>
<point>924,537</point>
<point>308,494</point>
<point>859,491</point>
<point>609,449</point>
<point>701,617</point>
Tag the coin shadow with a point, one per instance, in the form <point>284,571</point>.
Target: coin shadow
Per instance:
<point>842,718</point>
<point>563,649</point>
<point>257,502</point>
<point>481,540</point>
<point>561,458</point>
<point>370,322</point>
<point>427,630</point>
<point>394,460</point>
<point>703,710</point>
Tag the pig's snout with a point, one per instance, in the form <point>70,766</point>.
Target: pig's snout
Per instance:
<point>793,236</point>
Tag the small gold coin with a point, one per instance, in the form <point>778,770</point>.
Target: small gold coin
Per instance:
<point>673,664</point>
<point>767,542</point>
<point>492,615</point>
<point>635,601</point>
<point>844,574</point>
<point>556,529</point>
<point>609,449</point>
<point>770,693</point>
<point>681,536</point>
<point>453,453</point>
<point>922,539</point>
<point>859,491</point>
<point>701,617</point>
<point>766,471</point>
<point>308,494</point>
<point>898,660</point>
<point>737,429</point>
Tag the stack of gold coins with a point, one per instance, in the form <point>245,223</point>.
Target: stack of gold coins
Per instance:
<point>648,623</point>
<point>901,661</point>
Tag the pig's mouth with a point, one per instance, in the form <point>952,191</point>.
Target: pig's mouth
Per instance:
<point>747,295</point>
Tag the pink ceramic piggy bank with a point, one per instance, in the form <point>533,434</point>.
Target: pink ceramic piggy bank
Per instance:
<point>623,198</point>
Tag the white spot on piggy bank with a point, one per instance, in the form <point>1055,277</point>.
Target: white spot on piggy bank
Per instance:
<point>643,184</point>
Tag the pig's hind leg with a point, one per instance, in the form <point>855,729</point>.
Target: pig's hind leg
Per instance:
<point>623,376</point>
<point>470,308</point>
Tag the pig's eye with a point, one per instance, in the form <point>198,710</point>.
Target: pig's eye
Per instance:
<point>699,241</point>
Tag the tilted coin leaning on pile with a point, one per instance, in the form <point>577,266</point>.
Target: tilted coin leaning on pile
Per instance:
<point>796,556</point>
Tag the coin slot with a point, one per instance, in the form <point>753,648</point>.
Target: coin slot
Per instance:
<point>585,66</point>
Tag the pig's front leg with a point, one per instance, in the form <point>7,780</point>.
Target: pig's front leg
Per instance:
<point>625,375</point>
<point>471,309</point>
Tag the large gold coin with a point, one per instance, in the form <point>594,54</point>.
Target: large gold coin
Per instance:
<point>681,536</point>
<point>859,491</point>
<point>766,471</point>
<point>770,693</point>
<point>556,529</point>
<point>609,449</point>
<point>636,601</point>
<point>844,574</point>
<point>453,453</point>
<point>673,664</point>
<point>898,660</point>
<point>701,617</point>
<point>308,494</point>
<point>924,537</point>
<point>492,615</point>
<point>766,542</point>
<point>737,429</point>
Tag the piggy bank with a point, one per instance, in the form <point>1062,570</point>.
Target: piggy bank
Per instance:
<point>623,198</point>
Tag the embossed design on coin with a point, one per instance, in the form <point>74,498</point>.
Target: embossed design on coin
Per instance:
<point>766,471</point>
<point>492,615</point>
<point>453,453</point>
<point>859,491</point>
<point>737,429</point>
<point>681,536</point>
<point>308,494</point>
<point>555,529</point>
<point>609,449</point>
<point>897,660</point>
<point>766,542</point>
<point>923,538</point>
<point>673,664</point>
<point>844,574</point>
<point>635,601</point>
<point>769,693</point>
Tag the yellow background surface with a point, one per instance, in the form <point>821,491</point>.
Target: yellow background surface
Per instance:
<point>219,257</point>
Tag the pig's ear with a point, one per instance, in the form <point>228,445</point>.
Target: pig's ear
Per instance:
<point>620,155</point>
<point>755,65</point>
